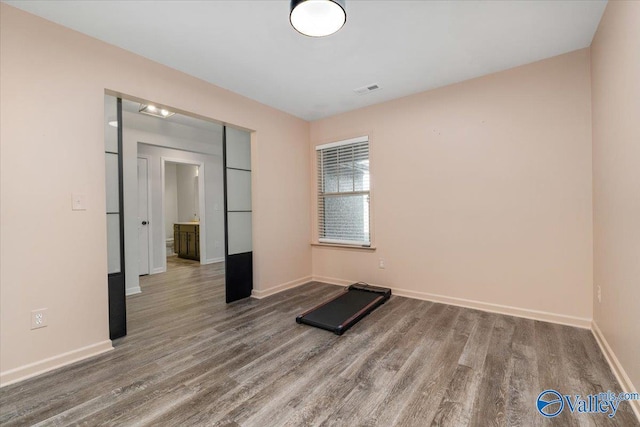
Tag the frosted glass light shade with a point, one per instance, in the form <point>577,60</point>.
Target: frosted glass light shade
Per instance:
<point>317,18</point>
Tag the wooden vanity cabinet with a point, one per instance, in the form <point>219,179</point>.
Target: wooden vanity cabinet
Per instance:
<point>186,240</point>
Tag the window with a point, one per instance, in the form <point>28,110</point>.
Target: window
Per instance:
<point>343,192</point>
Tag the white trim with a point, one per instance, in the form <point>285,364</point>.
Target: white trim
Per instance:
<point>133,291</point>
<point>562,319</point>
<point>150,222</point>
<point>343,142</point>
<point>214,260</point>
<point>203,230</point>
<point>353,243</point>
<point>159,270</point>
<point>40,367</point>
<point>616,367</point>
<point>333,281</point>
<point>336,246</point>
<point>203,214</point>
<point>259,294</point>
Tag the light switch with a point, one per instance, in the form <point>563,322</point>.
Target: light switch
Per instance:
<point>79,202</point>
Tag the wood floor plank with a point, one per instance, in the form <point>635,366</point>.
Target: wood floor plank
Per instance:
<point>550,368</point>
<point>422,407</point>
<point>520,407</point>
<point>489,408</point>
<point>328,364</point>
<point>475,351</point>
<point>422,359</point>
<point>455,408</point>
<point>190,359</point>
<point>350,395</point>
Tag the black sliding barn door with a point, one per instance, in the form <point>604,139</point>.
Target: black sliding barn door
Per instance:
<point>236,150</point>
<point>115,216</point>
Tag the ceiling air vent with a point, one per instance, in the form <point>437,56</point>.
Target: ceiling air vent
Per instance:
<point>366,89</point>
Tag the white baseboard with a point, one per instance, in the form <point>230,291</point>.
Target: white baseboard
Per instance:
<point>133,291</point>
<point>214,260</point>
<point>158,270</point>
<point>616,367</point>
<point>33,369</point>
<point>562,319</point>
<point>259,294</point>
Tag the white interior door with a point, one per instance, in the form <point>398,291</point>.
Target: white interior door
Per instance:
<point>143,216</point>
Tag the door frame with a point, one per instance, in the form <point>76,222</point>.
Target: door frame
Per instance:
<point>201,205</point>
<point>150,221</point>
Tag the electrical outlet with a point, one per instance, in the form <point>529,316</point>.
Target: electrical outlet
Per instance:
<point>39,318</point>
<point>599,294</point>
<point>381,263</point>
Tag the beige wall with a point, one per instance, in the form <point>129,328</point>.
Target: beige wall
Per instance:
<point>481,192</point>
<point>51,105</point>
<point>615,73</point>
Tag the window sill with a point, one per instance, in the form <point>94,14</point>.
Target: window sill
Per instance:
<point>341,246</point>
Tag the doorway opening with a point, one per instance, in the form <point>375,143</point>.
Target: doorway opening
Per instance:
<point>184,214</point>
<point>183,205</point>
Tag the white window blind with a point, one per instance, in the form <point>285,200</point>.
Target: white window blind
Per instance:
<point>343,192</point>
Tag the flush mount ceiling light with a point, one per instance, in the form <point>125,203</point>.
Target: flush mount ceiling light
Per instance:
<point>152,110</point>
<point>317,18</point>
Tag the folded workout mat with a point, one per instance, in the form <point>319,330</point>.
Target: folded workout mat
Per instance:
<point>345,310</point>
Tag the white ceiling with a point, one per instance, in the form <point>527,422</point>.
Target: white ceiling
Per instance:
<point>405,47</point>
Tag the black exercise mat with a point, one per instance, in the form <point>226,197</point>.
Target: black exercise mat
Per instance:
<point>345,310</point>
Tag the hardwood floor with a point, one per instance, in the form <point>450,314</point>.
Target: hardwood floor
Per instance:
<point>174,262</point>
<point>190,359</point>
